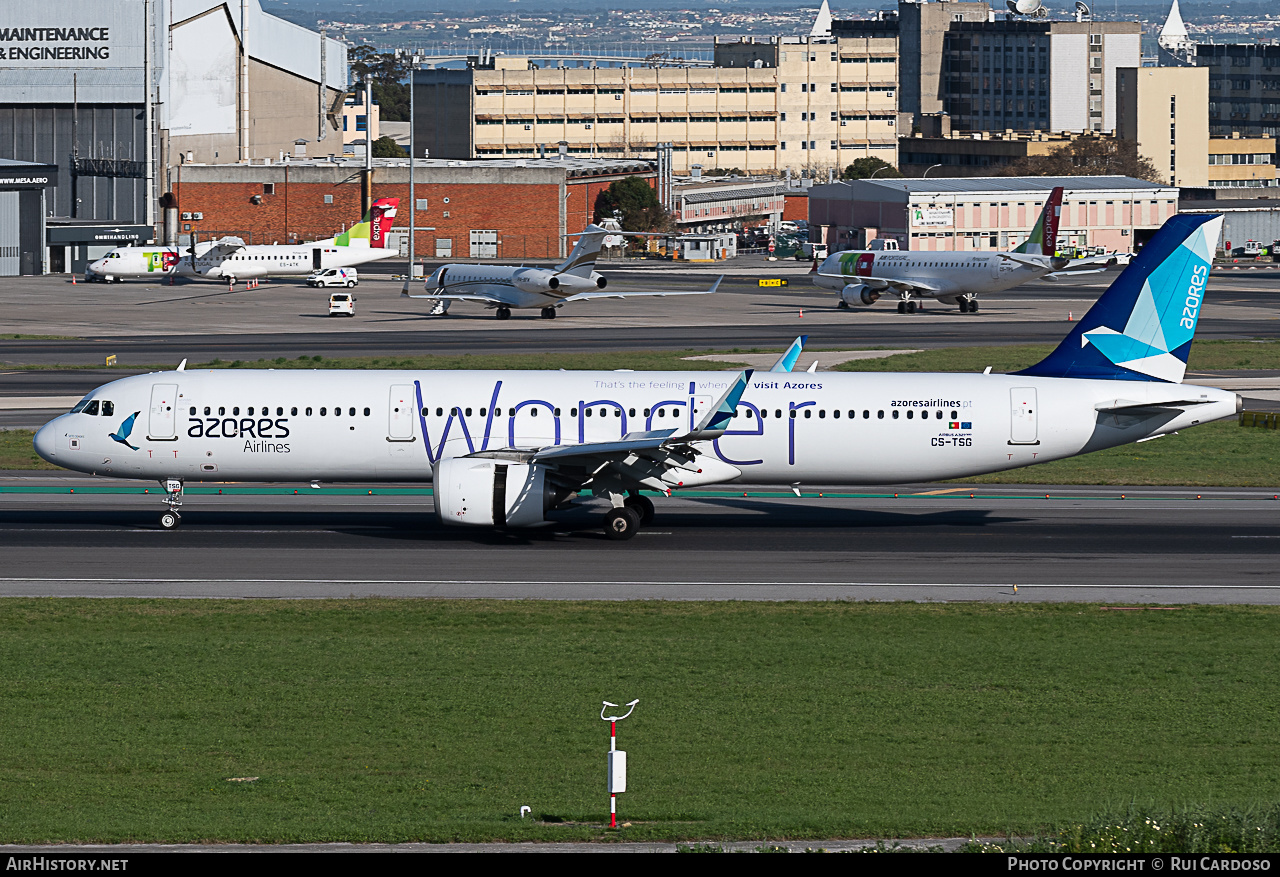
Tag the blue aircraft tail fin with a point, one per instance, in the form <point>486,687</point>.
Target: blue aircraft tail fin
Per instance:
<point>1141,328</point>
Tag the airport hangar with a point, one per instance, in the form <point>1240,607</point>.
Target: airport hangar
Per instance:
<point>229,83</point>
<point>483,208</point>
<point>988,213</point>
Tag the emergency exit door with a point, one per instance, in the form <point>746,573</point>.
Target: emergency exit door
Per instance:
<point>400,413</point>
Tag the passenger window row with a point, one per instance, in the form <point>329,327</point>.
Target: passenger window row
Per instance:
<point>533,412</point>
<point>265,411</point>
<point>748,413</point>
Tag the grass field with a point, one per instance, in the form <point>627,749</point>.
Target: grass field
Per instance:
<point>380,720</point>
<point>1205,355</point>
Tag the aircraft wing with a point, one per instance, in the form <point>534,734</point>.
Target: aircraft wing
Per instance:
<point>449,296</point>
<point>899,283</point>
<point>229,245</point>
<point>627,293</point>
<point>657,459</point>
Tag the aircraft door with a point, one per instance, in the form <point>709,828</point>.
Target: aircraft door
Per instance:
<point>163,419</point>
<point>400,413</point>
<point>1023,416</point>
<point>315,259</point>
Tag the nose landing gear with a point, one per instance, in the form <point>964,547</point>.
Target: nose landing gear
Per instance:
<point>173,499</point>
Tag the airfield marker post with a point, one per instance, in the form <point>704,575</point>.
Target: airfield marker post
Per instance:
<point>617,759</point>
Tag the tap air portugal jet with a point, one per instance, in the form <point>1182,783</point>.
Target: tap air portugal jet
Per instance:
<point>863,276</point>
<point>503,287</point>
<point>231,259</point>
<point>504,448</point>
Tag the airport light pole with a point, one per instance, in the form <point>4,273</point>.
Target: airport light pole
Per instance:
<point>413,157</point>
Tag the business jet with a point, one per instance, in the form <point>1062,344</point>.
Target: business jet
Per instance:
<point>230,259</point>
<point>862,277</point>
<point>504,287</point>
<point>505,448</point>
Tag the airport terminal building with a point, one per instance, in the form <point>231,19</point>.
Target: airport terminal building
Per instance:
<point>228,83</point>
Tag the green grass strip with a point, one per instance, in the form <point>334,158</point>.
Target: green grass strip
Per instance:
<point>401,720</point>
<point>1205,355</point>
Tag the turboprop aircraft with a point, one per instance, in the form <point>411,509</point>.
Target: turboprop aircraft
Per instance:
<point>503,287</point>
<point>863,276</point>
<point>230,259</point>
<point>505,448</point>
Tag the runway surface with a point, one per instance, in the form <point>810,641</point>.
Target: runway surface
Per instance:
<point>931,543</point>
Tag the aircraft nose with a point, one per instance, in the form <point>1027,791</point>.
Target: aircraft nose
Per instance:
<point>45,441</point>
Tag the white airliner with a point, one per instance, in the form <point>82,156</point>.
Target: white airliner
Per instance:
<point>504,448</point>
<point>503,287</point>
<point>863,276</point>
<point>230,258</point>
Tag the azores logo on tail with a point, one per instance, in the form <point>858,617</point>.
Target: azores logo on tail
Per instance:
<point>1141,328</point>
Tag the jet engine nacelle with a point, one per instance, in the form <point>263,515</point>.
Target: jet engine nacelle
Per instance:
<point>599,280</point>
<point>859,294</point>
<point>479,492</point>
<point>535,280</point>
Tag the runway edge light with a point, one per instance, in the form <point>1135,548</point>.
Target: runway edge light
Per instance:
<point>617,759</point>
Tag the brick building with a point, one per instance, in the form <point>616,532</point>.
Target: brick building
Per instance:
<point>490,209</point>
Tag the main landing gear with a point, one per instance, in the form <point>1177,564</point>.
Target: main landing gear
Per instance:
<point>908,305</point>
<point>549,313</point>
<point>968,304</point>
<point>628,515</point>
<point>503,313</point>
<point>173,499</point>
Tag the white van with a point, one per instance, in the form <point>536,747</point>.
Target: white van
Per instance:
<point>333,277</point>
<point>342,304</point>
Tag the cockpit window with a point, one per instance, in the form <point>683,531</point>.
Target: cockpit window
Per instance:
<point>80,406</point>
<point>108,409</point>
<point>92,407</point>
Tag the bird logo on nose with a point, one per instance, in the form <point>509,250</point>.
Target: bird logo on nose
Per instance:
<point>122,434</point>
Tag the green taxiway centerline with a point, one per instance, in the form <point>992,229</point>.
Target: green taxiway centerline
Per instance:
<point>705,494</point>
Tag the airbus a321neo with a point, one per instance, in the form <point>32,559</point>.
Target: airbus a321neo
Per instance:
<point>506,448</point>
<point>862,277</point>
<point>230,259</point>
<point>504,287</point>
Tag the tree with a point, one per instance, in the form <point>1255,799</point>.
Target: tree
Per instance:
<point>636,203</point>
<point>385,147</point>
<point>862,168</point>
<point>389,72</point>
<point>1087,156</point>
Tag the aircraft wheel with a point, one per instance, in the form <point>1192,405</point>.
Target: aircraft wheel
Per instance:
<point>963,305</point>
<point>504,313</point>
<point>973,306</point>
<point>548,313</point>
<point>621,524</point>
<point>842,305</point>
<point>170,520</point>
<point>911,307</point>
<point>902,307</point>
<point>642,506</point>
